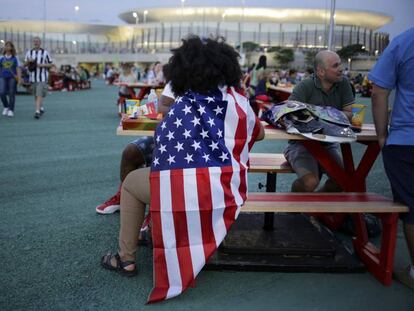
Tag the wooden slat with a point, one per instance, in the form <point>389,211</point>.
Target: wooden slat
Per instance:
<point>321,203</point>
<point>271,133</point>
<point>366,134</point>
<point>269,163</point>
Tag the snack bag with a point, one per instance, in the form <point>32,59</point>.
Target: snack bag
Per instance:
<point>147,110</point>
<point>130,105</point>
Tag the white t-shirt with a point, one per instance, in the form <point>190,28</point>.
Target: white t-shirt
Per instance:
<point>168,91</point>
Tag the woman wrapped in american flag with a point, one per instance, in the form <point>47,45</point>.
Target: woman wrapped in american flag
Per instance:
<point>198,178</point>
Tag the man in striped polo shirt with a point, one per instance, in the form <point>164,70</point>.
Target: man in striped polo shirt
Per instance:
<point>38,62</point>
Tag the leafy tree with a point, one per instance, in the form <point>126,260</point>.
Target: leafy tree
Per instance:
<point>350,51</point>
<point>284,56</point>
<point>274,49</point>
<point>248,48</point>
<point>309,57</point>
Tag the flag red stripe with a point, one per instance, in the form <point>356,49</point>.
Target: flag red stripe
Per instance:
<point>206,211</point>
<point>161,282</point>
<point>229,201</point>
<point>180,227</point>
<point>255,133</point>
<point>240,139</point>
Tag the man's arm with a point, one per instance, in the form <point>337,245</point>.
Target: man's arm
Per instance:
<point>379,108</point>
<point>165,104</point>
<point>347,110</point>
<point>347,98</point>
<point>261,134</point>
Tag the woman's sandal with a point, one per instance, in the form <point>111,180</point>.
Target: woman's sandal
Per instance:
<point>106,262</point>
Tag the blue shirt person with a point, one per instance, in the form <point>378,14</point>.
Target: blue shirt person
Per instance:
<point>10,75</point>
<point>395,70</point>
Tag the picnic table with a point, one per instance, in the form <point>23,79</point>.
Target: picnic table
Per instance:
<point>352,179</point>
<point>280,92</point>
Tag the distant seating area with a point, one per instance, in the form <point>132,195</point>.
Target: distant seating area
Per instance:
<point>69,79</point>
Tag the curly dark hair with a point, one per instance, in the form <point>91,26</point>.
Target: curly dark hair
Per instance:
<point>202,65</point>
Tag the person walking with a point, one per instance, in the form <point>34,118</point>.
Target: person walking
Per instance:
<point>38,62</point>
<point>10,76</point>
<point>261,66</point>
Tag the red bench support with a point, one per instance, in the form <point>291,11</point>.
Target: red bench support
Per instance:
<point>379,261</point>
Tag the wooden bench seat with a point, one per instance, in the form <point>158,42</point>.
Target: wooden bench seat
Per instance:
<point>378,261</point>
<point>269,163</point>
<point>343,202</point>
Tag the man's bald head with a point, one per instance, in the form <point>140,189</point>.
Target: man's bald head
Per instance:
<point>328,66</point>
<point>322,57</point>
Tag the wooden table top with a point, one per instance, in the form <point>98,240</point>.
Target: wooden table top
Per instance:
<point>367,133</point>
<point>139,85</point>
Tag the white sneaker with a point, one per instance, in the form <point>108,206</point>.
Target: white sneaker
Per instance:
<point>5,110</point>
<point>10,114</point>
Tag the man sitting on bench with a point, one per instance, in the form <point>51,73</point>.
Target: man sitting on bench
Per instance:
<point>326,87</point>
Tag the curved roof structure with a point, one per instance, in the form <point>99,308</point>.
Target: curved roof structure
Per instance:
<point>159,28</point>
<point>365,19</point>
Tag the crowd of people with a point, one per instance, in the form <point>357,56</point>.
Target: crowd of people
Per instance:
<point>152,74</point>
<point>212,89</point>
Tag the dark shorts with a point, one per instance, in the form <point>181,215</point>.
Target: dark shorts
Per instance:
<point>145,146</point>
<point>399,166</point>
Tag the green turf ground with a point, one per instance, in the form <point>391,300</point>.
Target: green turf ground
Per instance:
<point>54,171</point>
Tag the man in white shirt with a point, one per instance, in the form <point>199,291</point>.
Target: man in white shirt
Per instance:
<point>38,62</point>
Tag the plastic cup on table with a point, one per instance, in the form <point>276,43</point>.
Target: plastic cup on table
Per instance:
<point>358,115</point>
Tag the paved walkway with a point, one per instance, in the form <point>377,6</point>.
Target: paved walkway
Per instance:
<point>53,172</point>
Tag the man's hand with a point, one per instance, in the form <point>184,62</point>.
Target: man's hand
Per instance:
<point>347,110</point>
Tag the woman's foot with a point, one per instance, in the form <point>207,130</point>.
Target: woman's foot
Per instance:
<point>113,262</point>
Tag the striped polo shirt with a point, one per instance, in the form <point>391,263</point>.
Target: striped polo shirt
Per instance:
<point>42,57</point>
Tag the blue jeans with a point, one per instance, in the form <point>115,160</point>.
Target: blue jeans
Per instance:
<point>8,86</point>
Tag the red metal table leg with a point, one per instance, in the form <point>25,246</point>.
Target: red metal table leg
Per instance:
<point>142,92</point>
<point>335,171</point>
<point>380,261</point>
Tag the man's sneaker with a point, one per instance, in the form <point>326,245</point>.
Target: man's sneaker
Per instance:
<point>5,110</point>
<point>42,110</point>
<point>110,206</point>
<point>405,277</point>
<point>37,115</point>
<point>10,113</point>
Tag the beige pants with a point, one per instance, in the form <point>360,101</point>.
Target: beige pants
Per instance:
<point>135,194</point>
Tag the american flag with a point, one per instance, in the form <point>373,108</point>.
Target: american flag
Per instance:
<point>198,183</point>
